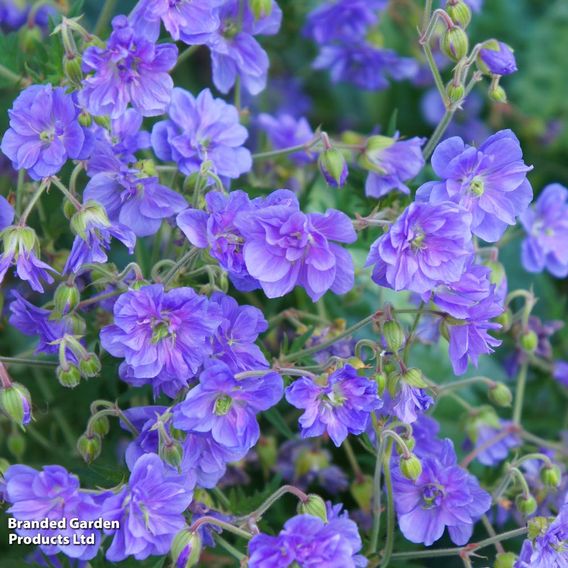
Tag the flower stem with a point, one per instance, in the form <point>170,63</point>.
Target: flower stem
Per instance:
<point>10,75</point>
<point>186,54</point>
<point>24,217</point>
<point>229,548</point>
<point>257,513</point>
<point>377,496</point>
<point>387,553</point>
<point>57,182</point>
<point>305,352</point>
<point>352,459</point>
<point>520,394</point>
<point>460,550</point>
<point>537,440</point>
<point>25,361</point>
<point>438,133</point>
<point>284,151</point>
<point>219,523</point>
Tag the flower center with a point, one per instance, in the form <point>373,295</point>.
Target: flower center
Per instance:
<point>432,495</point>
<point>161,330</point>
<point>223,405</point>
<point>47,136</point>
<point>477,186</point>
<point>417,242</point>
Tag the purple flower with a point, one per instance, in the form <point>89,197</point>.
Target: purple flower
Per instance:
<point>234,341</point>
<point>131,69</point>
<point>149,509</point>
<point>546,226</point>
<point>199,130</point>
<point>21,247</point>
<point>6,213</point>
<point>409,403</point>
<point>498,58</point>
<point>134,200</point>
<point>284,247</point>
<point>394,163</point>
<point>340,406</point>
<point>445,495</point>
<point>343,348</point>
<point>309,541</point>
<point>427,245</point>
<point>181,18</point>
<point>216,229</point>
<point>548,548</point>
<point>303,463</point>
<point>115,148</point>
<point>364,65</point>
<point>343,20</point>
<point>470,338</point>
<point>234,50</point>
<point>489,181</point>
<point>485,436</point>
<point>44,132</point>
<point>285,131</point>
<point>164,337</point>
<point>53,494</point>
<point>560,372</point>
<point>35,321</point>
<point>425,431</point>
<point>94,233</point>
<point>227,406</point>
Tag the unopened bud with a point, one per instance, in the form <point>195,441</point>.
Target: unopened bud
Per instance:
<point>314,506</point>
<point>497,94</point>
<point>362,491</point>
<point>65,299</point>
<point>414,378</point>
<point>89,447</point>
<point>90,366</point>
<point>381,380</point>
<point>500,395</point>
<point>68,376</point>
<point>505,320</point>
<point>454,43</point>
<point>72,69</point>
<point>394,335</point>
<point>29,37</point>
<point>68,209</point>
<point>103,121</point>
<point>261,8</point>
<point>85,119</point>
<point>505,560</point>
<point>15,401</point>
<point>410,467</point>
<point>172,453</point>
<point>529,341</point>
<point>100,425</point>
<point>551,476</point>
<point>526,504</point>
<point>186,549</point>
<point>455,92</point>
<point>459,12</point>
<point>333,167</point>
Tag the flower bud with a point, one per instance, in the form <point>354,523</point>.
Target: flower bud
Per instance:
<point>381,380</point>
<point>68,209</point>
<point>186,549</point>
<point>394,335</point>
<point>362,491</point>
<point>100,425</point>
<point>314,506</point>
<point>29,37</point>
<point>90,366</point>
<point>89,447</point>
<point>505,560</point>
<point>15,401</point>
<point>333,167</point>
<point>65,299</point>
<point>496,58</point>
<point>526,504</point>
<point>459,12</point>
<point>4,465</point>
<point>172,453</point>
<point>410,467</point>
<point>72,69</point>
<point>16,445</point>
<point>500,395</point>
<point>529,341</point>
<point>103,121</point>
<point>85,119</point>
<point>497,94</point>
<point>17,239</point>
<point>454,43</point>
<point>455,92</point>
<point>91,213</point>
<point>68,376</point>
<point>505,319</point>
<point>261,8</point>
<point>551,476</point>
<point>414,378</point>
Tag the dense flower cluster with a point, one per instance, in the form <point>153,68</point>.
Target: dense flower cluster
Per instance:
<point>234,330</point>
